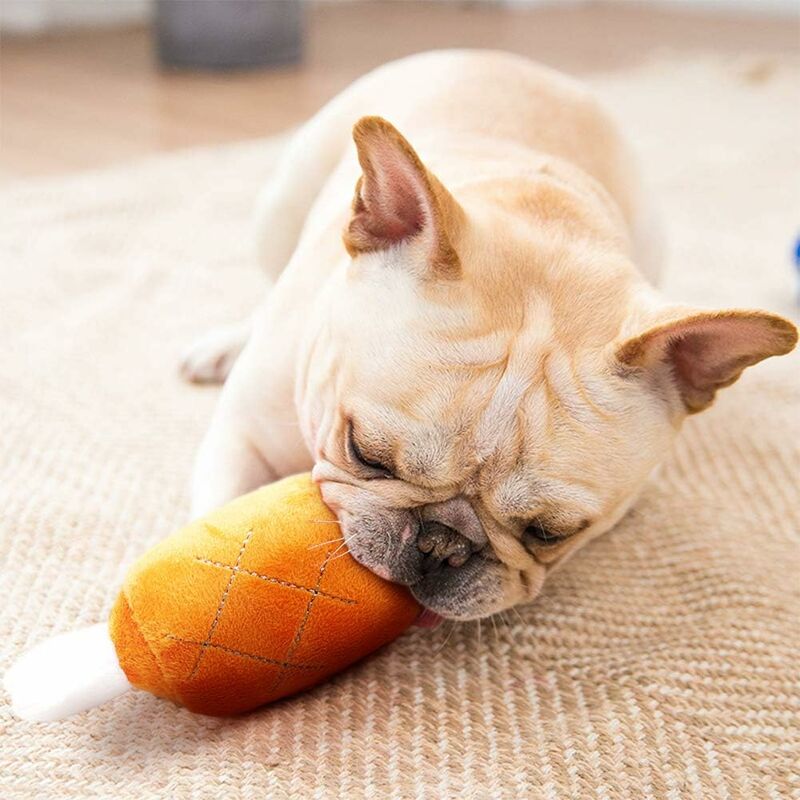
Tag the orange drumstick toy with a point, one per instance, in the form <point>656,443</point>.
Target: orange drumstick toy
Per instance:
<point>255,601</point>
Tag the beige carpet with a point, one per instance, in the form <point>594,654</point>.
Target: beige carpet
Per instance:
<point>664,662</point>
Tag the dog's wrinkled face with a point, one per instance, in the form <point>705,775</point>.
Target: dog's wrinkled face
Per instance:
<point>483,398</point>
<point>466,463</point>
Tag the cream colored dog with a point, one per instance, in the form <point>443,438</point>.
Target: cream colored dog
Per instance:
<point>468,352</point>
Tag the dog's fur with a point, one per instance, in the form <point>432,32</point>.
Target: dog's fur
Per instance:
<point>469,352</point>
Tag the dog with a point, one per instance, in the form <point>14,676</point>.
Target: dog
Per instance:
<point>462,338</point>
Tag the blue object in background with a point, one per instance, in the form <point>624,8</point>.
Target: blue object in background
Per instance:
<point>797,266</point>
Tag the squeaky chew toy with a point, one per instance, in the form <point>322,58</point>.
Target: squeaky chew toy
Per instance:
<point>253,602</point>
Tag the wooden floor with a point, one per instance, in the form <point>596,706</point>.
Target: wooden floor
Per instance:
<point>84,100</point>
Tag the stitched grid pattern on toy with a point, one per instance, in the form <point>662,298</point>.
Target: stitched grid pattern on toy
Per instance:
<point>286,664</point>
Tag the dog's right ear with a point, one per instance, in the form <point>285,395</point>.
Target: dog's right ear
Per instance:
<point>397,200</point>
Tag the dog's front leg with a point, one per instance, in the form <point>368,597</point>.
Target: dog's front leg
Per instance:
<point>254,437</point>
<point>228,464</point>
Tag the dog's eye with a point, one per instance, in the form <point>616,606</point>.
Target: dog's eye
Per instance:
<point>536,533</point>
<point>356,455</point>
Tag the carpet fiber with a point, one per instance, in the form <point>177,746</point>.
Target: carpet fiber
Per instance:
<point>662,662</point>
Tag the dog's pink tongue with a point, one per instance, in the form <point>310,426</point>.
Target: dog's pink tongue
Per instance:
<point>428,619</point>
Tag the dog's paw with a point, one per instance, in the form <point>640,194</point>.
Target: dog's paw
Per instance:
<point>211,358</point>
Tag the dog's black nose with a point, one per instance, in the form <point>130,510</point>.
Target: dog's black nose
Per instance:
<point>440,543</point>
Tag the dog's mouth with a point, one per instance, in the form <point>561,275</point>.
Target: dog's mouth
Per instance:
<point>451,576</point>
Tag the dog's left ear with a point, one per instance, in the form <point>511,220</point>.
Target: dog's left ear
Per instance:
<point>397,200</point>
<point>705,351</point>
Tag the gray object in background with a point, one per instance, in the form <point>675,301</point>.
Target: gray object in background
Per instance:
<point>226,34</point>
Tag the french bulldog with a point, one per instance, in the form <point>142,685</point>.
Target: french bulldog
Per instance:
<point>462,336</point>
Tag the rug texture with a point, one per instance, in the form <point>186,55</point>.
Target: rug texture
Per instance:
<point>663,662</point>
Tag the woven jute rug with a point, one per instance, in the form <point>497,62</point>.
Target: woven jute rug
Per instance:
<point>662,662</point>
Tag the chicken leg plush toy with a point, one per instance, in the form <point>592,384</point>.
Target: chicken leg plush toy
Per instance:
<point>251,603</point>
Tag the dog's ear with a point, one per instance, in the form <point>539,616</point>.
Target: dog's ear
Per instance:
<point>398,200</point>
<point>705,351</point>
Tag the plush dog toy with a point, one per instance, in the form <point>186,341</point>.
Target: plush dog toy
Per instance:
<point>256,601</point>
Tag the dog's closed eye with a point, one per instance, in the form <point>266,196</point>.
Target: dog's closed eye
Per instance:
<point>537,534</point>
<point>376,468</point>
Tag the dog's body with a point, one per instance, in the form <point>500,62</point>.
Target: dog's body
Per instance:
<point>478,371</point>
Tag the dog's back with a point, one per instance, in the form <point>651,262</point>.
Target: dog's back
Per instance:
<point>472,116</point>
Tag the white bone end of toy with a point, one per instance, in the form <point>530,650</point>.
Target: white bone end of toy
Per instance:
<point>65,675</point>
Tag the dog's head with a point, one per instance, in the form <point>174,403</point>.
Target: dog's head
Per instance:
<point>488,391</point>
